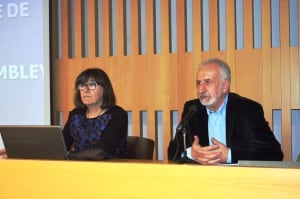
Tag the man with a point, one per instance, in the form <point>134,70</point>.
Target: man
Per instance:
<point>225,127</point>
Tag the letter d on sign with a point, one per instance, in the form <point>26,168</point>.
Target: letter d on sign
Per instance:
<point>14,10</point>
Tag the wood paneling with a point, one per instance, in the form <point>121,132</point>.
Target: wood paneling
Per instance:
<point>285,75</point>
<point>163,81</point>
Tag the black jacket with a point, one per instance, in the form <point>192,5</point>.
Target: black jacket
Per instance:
<point>248,134</point>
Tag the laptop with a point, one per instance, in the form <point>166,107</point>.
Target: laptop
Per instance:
<point>34,142</point>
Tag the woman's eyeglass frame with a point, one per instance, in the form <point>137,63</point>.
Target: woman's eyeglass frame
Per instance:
<point>89,85</point>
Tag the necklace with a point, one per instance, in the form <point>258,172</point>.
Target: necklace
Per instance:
<point>95,114</point>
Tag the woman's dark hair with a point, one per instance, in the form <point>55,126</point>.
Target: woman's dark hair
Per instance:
<point>99,76</point>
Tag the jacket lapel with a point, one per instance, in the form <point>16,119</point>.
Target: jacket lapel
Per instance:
<point>231,116</point>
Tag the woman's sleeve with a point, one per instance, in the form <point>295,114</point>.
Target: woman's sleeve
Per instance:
<point>115,132</point>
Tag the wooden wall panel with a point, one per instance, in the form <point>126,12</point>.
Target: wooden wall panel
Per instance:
<point>276,78</point>
<point>266,61</point>
<point>181,81</point>
<point>242,74</point>
<point>64,30</point>
<point>197,34</point>
<point>213,26</point>
<point>78,29</point>
<point>163,81</point>
<point>285,77</point>
<point>120,23</point>
<point>256,70</point>
<point>248,24</point>
<point>295,77</point>
<point>105,28</point>
<point>134,27</point>
<point>61,68</point>
<point>166,76</point>
<point>231,40</point>
<point>91,31</point>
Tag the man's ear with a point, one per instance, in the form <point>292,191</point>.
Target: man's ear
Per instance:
<point>225,86</point>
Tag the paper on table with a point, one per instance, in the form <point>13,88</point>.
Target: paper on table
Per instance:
<point>1,142</point>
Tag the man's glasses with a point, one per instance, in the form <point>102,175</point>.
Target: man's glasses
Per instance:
<point>89,85</point>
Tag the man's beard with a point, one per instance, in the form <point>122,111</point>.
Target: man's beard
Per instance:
<point>209,101</point>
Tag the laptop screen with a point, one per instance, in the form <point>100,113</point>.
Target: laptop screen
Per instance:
<point>34,142</point>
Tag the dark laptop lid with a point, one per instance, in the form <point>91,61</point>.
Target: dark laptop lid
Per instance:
<point>34,142</point>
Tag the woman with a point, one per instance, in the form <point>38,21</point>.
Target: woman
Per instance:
<point>96,128</point>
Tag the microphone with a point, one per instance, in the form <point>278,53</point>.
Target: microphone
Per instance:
<point>187,117</point>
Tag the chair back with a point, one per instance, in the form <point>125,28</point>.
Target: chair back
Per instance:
<point>140,148</point>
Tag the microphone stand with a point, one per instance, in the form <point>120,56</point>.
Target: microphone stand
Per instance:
<point>181,128</point>
<point>184,159</point>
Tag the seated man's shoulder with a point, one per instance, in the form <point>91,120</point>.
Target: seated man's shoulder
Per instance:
<point>243,101</point>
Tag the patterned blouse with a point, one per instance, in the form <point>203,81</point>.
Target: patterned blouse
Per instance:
<point>107,131</point>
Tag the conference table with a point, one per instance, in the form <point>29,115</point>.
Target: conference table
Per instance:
<point>146,179</point>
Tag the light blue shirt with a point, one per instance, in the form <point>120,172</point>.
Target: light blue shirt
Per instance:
<point>216,127</point>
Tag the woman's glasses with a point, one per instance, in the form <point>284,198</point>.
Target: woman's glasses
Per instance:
<point>88,85</point>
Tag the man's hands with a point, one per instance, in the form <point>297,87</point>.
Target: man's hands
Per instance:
<point>209,155</point>
<point>3,154</point>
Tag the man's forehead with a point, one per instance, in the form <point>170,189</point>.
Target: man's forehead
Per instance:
<point>207,72</point>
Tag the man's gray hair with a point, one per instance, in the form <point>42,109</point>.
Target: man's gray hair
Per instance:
<point>224,67</point>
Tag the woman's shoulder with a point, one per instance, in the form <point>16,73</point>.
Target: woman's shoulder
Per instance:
<point>116,109</point>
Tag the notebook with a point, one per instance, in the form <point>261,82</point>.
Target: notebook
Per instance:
<point>34,142</point>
